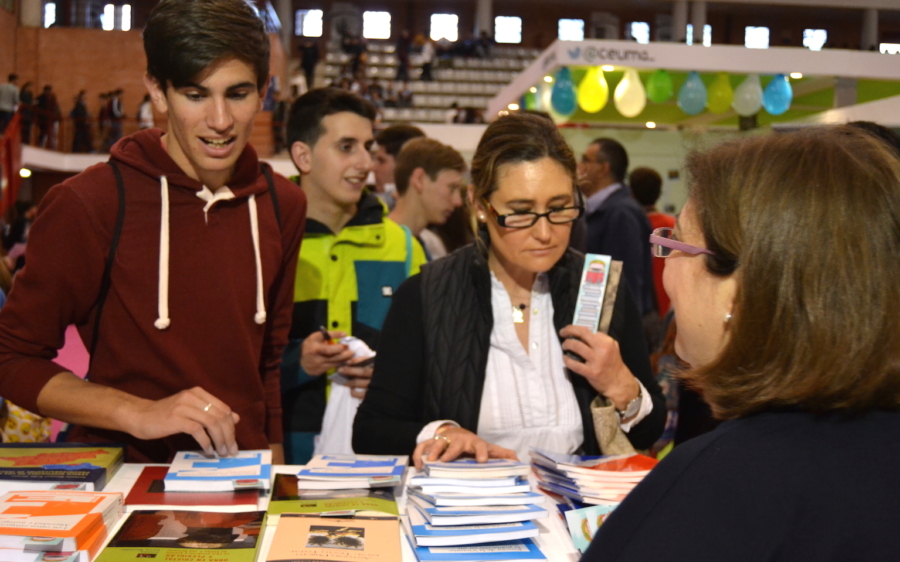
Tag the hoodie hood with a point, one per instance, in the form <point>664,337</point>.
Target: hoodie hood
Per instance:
<point>143,151</point>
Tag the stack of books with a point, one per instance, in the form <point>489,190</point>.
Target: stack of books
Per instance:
<point>335,472</point>
<point>195,472</point>
<point>465,510</point>
<point>602,480</point>
<point>56,524</point>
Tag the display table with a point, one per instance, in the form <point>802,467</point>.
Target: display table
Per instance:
<point>553,541</point>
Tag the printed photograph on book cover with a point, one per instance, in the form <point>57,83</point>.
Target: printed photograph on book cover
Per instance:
<point>331,536</point>
<point>189,529</point>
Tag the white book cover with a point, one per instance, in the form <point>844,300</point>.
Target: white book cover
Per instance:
<point>55,520</point>
<point>426,534</point>
<point>192,471</point>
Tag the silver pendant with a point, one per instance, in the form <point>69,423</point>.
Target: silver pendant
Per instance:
<point>518,315</point>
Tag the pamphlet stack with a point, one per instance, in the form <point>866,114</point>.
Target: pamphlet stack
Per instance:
<point>464,510</point>
<point>603,480</point>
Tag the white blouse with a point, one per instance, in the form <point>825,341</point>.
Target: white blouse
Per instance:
<point>528,400</point>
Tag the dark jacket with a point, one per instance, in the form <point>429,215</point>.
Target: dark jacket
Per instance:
<point>619,228</point>
<point>434,349</point>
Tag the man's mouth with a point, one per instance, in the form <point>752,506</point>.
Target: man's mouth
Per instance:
<point>218,143</point>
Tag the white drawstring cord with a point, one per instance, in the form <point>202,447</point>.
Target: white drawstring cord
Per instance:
<point>163,321</point>
<point>260,316</point>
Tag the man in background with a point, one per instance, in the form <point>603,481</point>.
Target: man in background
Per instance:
<point>616,223</point>
<point>388,143</point>
<point>430,183</point>
<point>352,260</point>
<point>646,184</point>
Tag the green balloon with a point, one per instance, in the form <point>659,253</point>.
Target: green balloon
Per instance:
<point>659,86</point>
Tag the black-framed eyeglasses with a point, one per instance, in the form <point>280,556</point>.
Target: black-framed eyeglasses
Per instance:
<point>525,219</point>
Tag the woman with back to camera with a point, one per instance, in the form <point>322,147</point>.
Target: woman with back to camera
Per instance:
<point>470,360</point>
<point>783,272</point>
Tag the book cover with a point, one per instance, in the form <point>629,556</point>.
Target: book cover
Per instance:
<point>360,467</point>
<point>335,539</point>
<point>89,551</point>
<point>186,536</point>
<point>194,472</point>
<point>289,496</point>
<point>624,467</point>
<point>55,520</point>
<point>523,549</point>
<point>149,492</point>
<point>476,515</point>
<point>459,499</point>
<point>583,523</point>
<point>43,465</point>
<point>425,534</point>
<point>421,481</point>
<point>470,468</point>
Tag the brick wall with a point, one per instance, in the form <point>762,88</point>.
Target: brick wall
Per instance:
<point>7,44</point>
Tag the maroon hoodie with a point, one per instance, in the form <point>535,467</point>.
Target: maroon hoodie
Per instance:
<point>197,317</point>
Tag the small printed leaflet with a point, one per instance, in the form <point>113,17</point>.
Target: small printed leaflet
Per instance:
<point>186,536</point>
<point>194,472</point>
<point>470,468</point>
<point>425,534</point>
<point>583,523</point>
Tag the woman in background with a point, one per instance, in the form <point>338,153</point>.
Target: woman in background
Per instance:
<point>471,360</point>
<point>782,271</point>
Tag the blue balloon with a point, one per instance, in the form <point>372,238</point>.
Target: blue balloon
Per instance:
<point>778,95</point>
<point>692,95</point>
<point>562,97</point>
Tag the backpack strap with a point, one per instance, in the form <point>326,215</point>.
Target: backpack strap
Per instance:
<point>110,259</point>
<point>267,171</point>
<point>409,248</point>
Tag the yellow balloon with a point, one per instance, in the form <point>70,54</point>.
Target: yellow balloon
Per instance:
<point>593,91</point>
<point>720,94</point>
<point>630,97</point>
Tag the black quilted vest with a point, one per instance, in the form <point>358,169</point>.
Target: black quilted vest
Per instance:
<point>456,300</point>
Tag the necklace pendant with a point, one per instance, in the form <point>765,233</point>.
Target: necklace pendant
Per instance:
<point>518,315</point>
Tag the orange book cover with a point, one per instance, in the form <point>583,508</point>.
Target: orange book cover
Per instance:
<point>41,517</point>
<point>335,539</point>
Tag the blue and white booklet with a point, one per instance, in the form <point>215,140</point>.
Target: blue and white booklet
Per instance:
<point>483,498</point>
<point>470,468</point>
<point>477,515</point>
<point>425,534</point>
<point>193,471</point>
<point>364,471</point>
<point>523,549</point>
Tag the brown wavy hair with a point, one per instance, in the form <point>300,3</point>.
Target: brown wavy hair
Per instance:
<point>809,222</point>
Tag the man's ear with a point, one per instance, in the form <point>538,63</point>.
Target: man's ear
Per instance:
<point>157,95</point>
<point>301,155</point>
<point>417,180</point>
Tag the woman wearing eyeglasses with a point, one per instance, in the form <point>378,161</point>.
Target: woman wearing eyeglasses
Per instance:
<point>783,272</point>
<point>470,360</point>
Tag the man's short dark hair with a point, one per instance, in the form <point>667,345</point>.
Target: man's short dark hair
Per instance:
<point>394,137</point>
<point>184,37</point>
<point>615,154</point>
<point>305,122</point>
<point>428,154</point>
<point>646,184</point>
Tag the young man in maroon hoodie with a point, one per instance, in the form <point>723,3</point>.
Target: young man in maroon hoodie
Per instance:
<point>198,308</point>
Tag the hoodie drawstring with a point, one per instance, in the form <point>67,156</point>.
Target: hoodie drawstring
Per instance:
<point>164,321</point>
<point>260,316</point>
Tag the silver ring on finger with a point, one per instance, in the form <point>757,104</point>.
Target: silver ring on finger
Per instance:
<point>207,407</point>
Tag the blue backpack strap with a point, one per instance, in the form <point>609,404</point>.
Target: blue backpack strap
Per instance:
<point>409,249</point>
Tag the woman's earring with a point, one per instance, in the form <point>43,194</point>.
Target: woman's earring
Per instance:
<point>728,318</point>
<point>481,217</point>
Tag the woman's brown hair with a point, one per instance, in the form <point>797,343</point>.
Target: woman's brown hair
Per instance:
<point>809,223</point>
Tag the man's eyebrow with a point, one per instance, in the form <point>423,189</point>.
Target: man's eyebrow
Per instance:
<point>242,86</point>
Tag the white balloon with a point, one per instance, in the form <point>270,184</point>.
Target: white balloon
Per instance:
<point>748,96</point>
<point>630,96</point>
